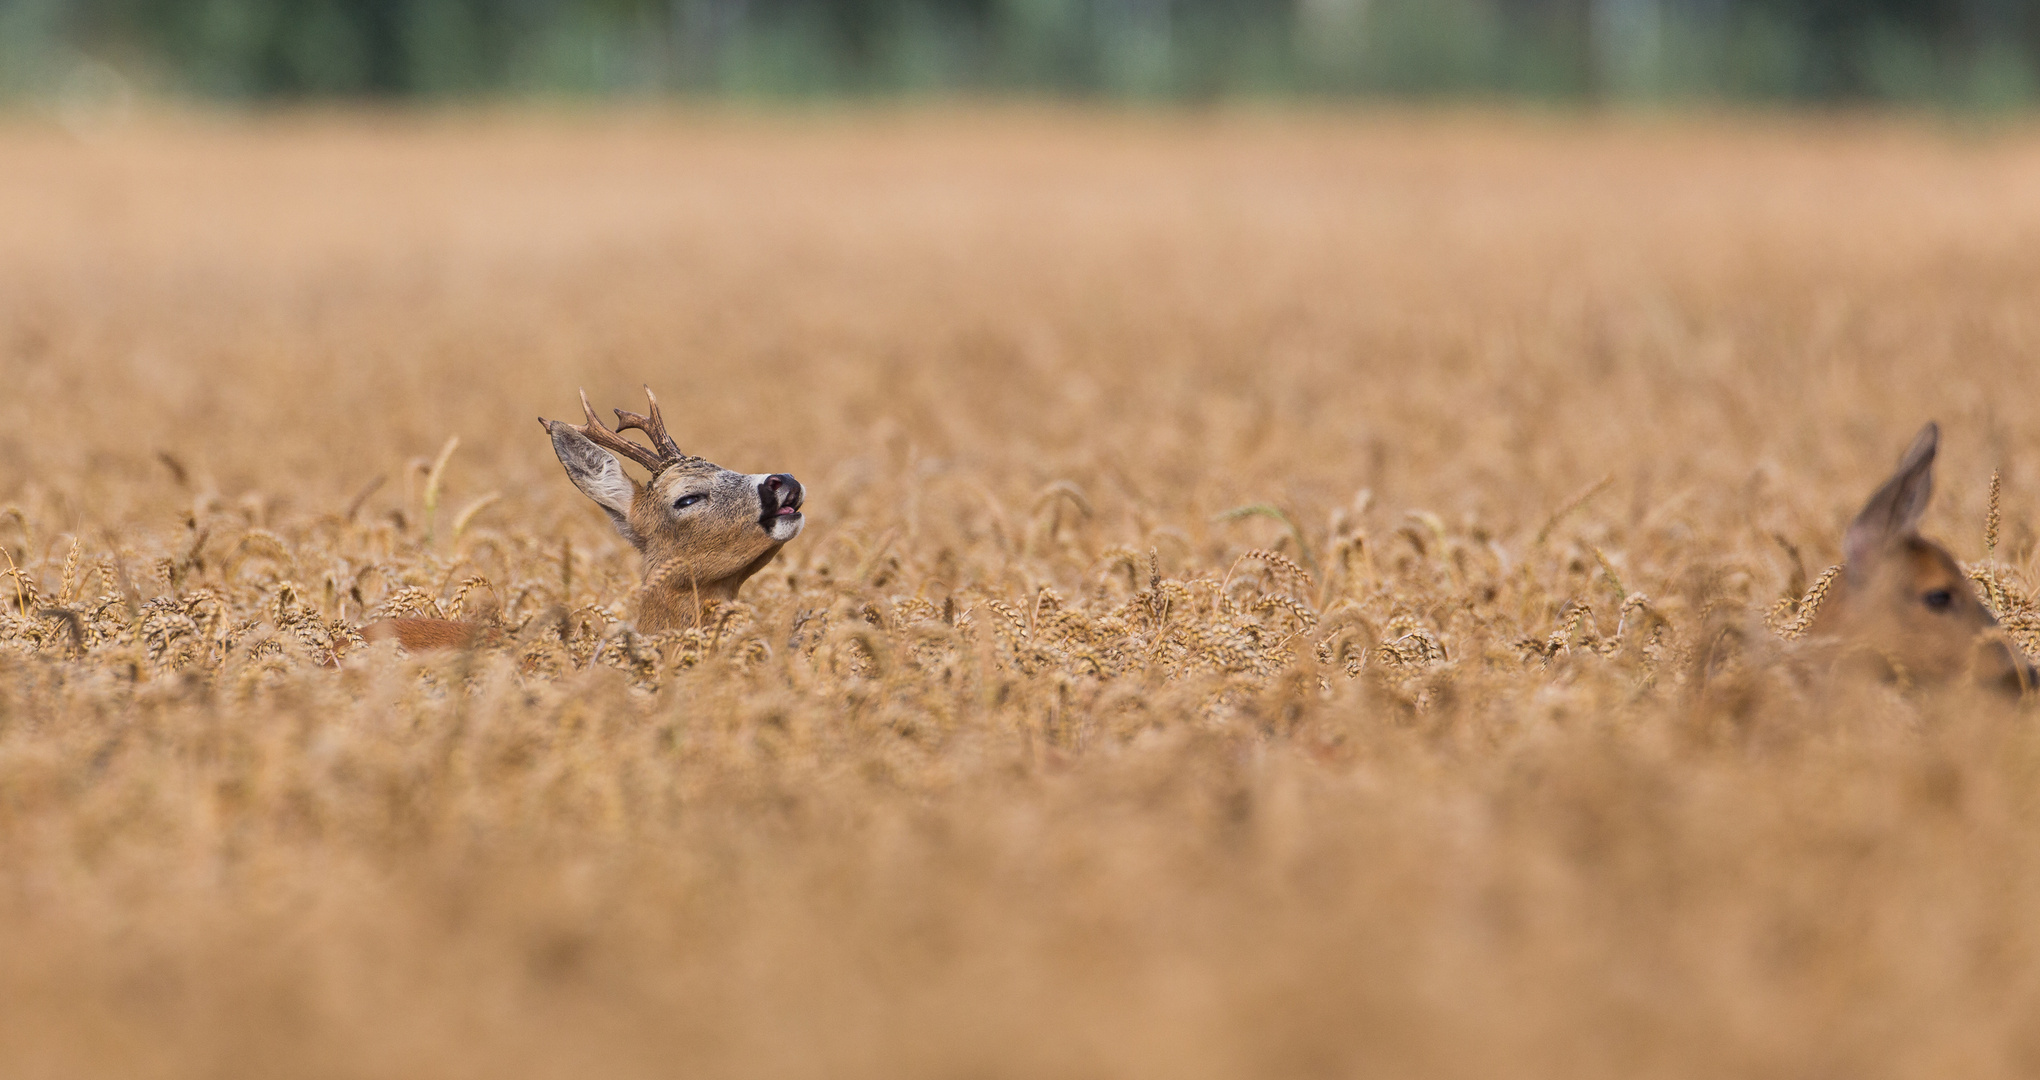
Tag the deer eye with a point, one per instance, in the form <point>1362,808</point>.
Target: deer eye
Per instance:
<point>1938,599</point>
<point>685,501</point>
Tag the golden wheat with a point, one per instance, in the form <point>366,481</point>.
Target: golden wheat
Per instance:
<point>1284,596</point>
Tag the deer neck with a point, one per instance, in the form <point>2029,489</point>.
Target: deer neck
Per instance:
<point>674,599</point>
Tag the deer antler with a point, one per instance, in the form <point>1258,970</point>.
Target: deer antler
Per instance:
<point>615,443</point>
<point>653,425</point>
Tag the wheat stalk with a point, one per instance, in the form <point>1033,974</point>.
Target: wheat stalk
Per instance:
<point>1790,619</point>
<point>1572,506</point>
<point>434,476</point>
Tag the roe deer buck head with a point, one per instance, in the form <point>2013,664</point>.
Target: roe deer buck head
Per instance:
<point>702,529</point>
<point>1903,602</point>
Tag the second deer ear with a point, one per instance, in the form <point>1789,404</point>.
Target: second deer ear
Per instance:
<point>597,473</point>
<point>1894,512</point>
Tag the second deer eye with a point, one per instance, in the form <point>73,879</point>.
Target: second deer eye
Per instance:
<point>685,501</point>
<point>1938,599</point>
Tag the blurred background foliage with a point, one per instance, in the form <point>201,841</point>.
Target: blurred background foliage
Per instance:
<point>1965,53</point>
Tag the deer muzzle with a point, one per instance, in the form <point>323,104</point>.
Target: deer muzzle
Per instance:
<point>779,501</point>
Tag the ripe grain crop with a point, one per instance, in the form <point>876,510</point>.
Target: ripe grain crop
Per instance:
<point>1283,596</point>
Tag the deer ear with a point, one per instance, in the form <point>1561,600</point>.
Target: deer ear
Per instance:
<point>1894,512</point>
<point>597,473</point>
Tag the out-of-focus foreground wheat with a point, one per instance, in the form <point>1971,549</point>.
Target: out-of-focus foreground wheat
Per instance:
<point>1282,597</point>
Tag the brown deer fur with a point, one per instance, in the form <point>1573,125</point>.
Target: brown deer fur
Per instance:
<point>1902,603</point>
<point>701,529</point>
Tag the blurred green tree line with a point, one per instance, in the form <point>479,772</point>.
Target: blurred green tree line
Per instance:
<point>1961,52</point>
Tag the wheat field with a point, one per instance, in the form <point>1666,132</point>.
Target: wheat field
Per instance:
<point>1285,595</point>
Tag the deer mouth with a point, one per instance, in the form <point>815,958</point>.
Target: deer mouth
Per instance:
<point>779,498</point>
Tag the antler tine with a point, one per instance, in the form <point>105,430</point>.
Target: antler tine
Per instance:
<point>653,425</point>
<point>615,443</point>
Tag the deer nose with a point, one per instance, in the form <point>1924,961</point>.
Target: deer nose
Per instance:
<point>785,490</point>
